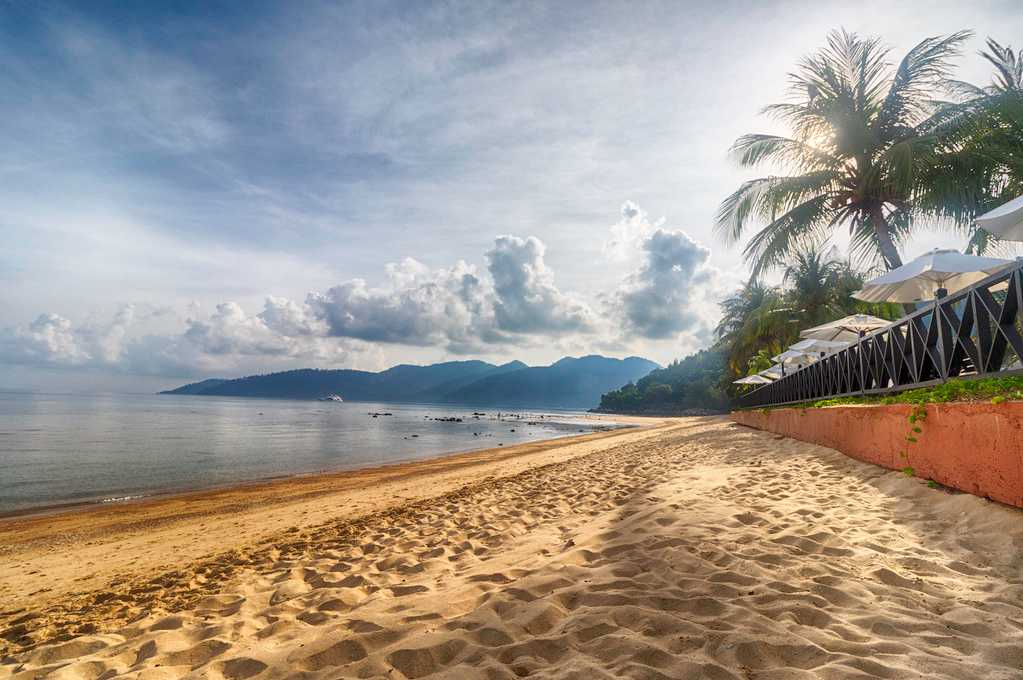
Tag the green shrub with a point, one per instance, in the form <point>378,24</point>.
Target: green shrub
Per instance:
<point>995,390</point>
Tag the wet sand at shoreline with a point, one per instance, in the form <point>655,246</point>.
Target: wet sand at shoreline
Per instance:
<point>690,548</point>
<point>46,556</point>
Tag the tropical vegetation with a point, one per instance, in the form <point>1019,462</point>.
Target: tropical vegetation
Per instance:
<point>875,150</point>
<point>692,385</point>
<point>981,164</point>
<point>759,321</point>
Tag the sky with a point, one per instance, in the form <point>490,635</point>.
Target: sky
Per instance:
<point>221,188</point>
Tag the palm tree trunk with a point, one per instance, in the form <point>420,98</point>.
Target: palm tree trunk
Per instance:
<point>888,250</point>
<point>884,238</point>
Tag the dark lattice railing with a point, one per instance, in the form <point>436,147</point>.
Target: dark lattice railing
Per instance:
<point>974,332</point>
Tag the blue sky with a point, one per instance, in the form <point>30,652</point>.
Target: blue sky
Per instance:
<point>219,188</point>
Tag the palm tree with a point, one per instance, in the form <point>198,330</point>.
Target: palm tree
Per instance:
<point>812,275</point>
<point>1008,66</point>
<point>981,164</point>
<point>736,308</point>
<point>753,318</point>
<point>980,139</point>
<point>1008,75</point>
<point>820,286</point>
<point>862,132</point>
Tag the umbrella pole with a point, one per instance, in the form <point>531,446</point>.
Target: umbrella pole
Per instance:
<point>859,353</point>
<point>939,295</point>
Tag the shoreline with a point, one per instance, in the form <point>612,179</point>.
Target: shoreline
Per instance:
<point>622,422</point>
<point>46,558</point>
<point>267,483</point>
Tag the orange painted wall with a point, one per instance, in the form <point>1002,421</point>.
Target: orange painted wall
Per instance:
<point>977,448</point>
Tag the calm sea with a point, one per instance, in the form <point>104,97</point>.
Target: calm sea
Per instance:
<point>62,450</point>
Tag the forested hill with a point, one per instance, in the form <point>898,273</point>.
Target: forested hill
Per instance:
<point>693,384</point>
<point>568,383</point>
<point>573,383</point>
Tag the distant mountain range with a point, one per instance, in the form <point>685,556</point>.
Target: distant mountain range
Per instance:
<point>571,383</point>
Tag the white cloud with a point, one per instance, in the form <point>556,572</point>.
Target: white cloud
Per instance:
<point>288,318</point>
<point>527,299</point>
<point>53,339</point>
<point>229,330</point>
<point>227,339</point>
<point>667,303</point>
<point>419,306</point>
<point>50,338</point>
<point>628,234</point>
<point>513,303</point>
<point>108,341</point>
<point>657,301</point>
<point>458,307</point>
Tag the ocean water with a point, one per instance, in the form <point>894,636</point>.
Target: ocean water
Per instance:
<point>66,450</point>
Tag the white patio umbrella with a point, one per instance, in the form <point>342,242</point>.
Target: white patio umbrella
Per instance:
<point>1005,221</point>
<point>845,330</point>
<point>819,346</point>
<point>794,356</point>
<point>754,379</point>
<point>932,275</point>
<point>774,372</point>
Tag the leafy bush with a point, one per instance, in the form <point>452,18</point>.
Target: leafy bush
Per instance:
<point>993,390</point>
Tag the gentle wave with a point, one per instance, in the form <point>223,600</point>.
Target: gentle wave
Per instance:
<point>122,499</point>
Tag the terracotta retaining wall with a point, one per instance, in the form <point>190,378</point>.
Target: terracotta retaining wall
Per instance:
<point>977,448</point>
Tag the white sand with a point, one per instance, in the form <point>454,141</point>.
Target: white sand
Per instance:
<point>700,550</point>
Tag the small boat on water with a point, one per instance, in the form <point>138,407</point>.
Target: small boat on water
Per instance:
<point>331,397</point>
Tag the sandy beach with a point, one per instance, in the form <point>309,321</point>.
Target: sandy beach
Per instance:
<point>685,548</point>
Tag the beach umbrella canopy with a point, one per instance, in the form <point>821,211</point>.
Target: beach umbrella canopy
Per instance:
<point>774,372</point>
<point>819,346</point>
<point>753,380</point>
<point>1005,221</point>
<point>794,356</point>
<point>844,330</point>
<point>922,278</point>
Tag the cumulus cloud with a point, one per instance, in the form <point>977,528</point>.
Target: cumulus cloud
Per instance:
<point>527,300</point>
<point>457,307</point>
<point>221,341</point>
<point>230,338</point>
<point>230,330</point>
<point>53,339</point>
<point>628,234</point>
<point>49,338</point>
<point>656,301</point>
<point>418,306</point>
<point>109,342</point>
<point>288,318</point>
<point>512,302</point>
